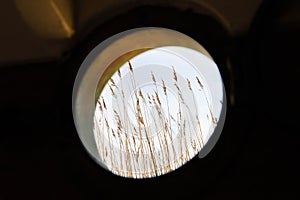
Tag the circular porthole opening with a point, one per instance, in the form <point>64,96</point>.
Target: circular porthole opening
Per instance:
<point>147,100</point>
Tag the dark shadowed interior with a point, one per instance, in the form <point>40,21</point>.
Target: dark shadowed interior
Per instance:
<point>41,155</point>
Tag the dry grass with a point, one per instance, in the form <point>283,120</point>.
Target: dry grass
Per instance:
<point>138,156</point>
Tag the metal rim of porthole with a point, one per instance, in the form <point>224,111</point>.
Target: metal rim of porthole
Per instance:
<point>218,51</point>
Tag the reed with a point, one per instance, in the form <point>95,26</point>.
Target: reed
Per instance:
<point>141,146</point>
